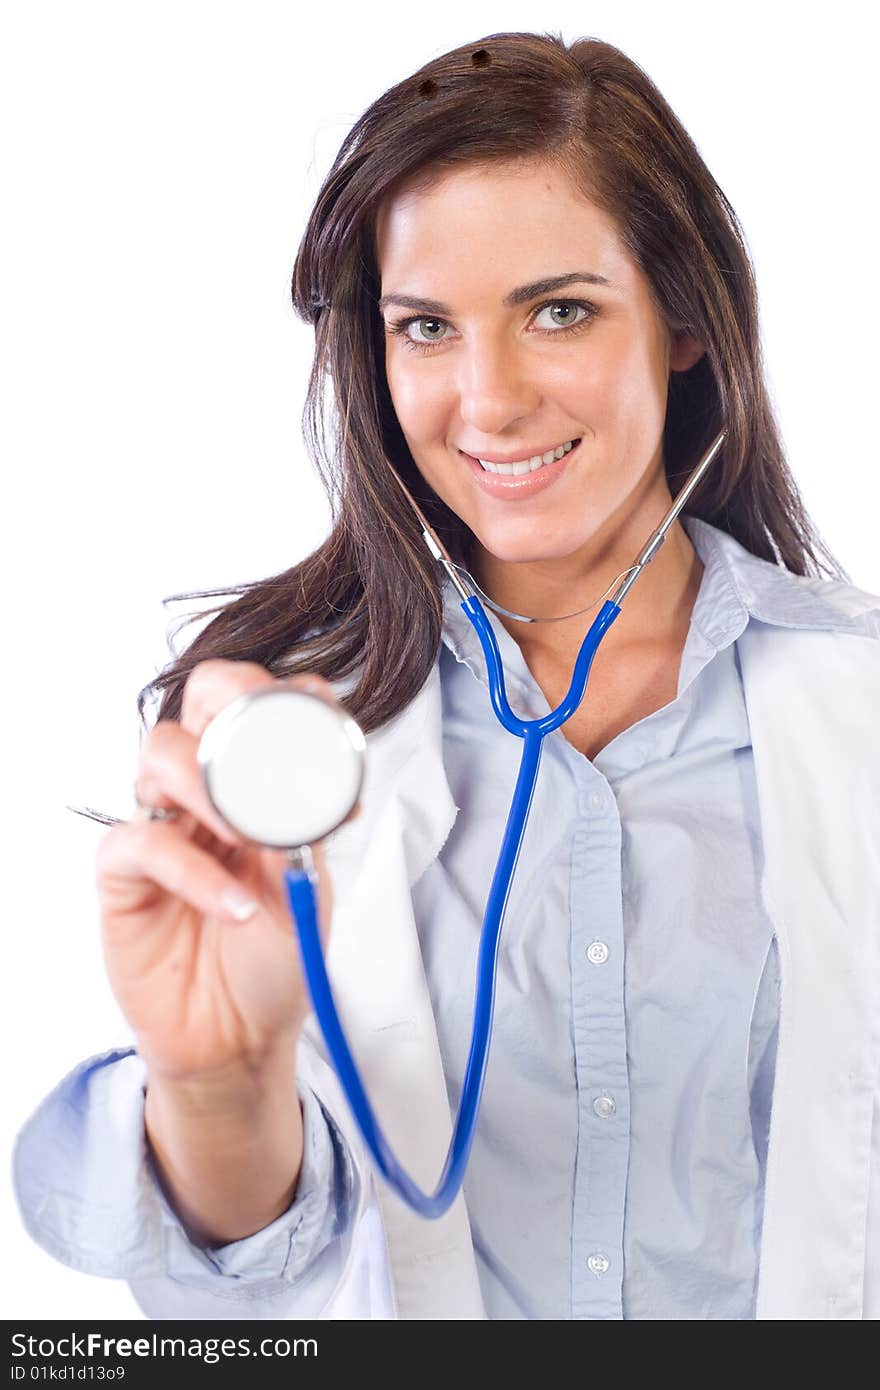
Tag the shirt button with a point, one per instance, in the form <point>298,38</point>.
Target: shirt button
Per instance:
<point>596,799</point>
<point>604,1107</point>
<point>597,952</point>
<point>598,1262</point>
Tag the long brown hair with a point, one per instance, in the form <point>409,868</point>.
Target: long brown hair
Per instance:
<point>366,605</point>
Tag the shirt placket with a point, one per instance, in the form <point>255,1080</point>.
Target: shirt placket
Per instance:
<point>599,1026</point>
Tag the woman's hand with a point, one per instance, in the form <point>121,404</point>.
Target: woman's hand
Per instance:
<point>205,991</point>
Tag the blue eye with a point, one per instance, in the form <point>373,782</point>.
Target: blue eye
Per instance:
<point>590,312</point>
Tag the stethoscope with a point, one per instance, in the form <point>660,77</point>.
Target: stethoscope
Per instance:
<point>284,768</point>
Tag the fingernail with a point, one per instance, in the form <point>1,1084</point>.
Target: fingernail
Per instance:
<point>238,904</point>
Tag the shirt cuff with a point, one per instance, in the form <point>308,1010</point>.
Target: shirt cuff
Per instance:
<point>88,1194</point>
<point>322,1208</point>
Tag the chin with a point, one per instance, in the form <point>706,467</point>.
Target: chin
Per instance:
<point>527,548</point>
<point>528,553</point>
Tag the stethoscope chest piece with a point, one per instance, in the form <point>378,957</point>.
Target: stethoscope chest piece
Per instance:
<point>282,766</point>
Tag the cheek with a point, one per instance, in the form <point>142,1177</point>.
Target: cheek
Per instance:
<point>611,365</point>
<point>621,384</point>
<point>417,400</point>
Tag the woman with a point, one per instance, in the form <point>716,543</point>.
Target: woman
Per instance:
<point>517,255</point>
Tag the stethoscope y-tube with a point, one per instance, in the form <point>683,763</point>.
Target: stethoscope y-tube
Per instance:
<point>301,880</point>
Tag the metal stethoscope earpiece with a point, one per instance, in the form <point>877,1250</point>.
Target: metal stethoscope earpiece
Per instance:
<point>285,768</point>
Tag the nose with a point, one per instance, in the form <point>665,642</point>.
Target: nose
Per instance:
<point>496,386</point>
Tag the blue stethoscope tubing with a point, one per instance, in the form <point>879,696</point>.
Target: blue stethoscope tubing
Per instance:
<point>300,885</point>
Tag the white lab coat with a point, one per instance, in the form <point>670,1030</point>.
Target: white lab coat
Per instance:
<point>813,702</point>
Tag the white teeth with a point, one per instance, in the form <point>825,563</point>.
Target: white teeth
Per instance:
<point>527,465</point>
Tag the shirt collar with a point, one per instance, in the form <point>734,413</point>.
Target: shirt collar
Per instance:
<point>736,586</point>
<point>766,591</point>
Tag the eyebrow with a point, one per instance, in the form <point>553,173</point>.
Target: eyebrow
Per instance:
<point>521,295</point>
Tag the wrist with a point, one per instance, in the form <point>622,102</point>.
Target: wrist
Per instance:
<point>226,1145</point>
<point>235,1085</point>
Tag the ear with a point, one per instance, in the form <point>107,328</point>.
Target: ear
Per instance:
<point>684,352</point>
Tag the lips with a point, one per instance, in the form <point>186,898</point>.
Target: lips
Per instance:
<point>517,488</point>
<point>527,456</point>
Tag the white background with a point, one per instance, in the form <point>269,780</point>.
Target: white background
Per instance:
<point>158,165</point>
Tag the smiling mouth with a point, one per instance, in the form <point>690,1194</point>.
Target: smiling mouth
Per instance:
<point>528,482</point>
<point>529,465</point>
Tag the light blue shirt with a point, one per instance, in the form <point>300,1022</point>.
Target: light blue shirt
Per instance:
<point>617,1170</point>
<point>618,1165</point>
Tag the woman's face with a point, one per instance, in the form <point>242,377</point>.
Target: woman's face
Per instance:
<point>510,380</point>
